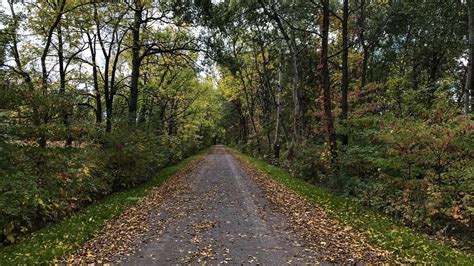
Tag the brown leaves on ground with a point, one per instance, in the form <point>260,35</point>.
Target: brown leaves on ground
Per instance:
<point>204,226</point>
<point>117,239</point>
<point>333,241</point>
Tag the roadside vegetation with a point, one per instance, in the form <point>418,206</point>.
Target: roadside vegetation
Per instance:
<point>75,124</point>
<point>371,100</point>
<point>56,240</point>
<point>405,244</point>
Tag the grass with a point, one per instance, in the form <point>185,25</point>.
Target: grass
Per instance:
<point>68,235</point>
<point>406,245</point>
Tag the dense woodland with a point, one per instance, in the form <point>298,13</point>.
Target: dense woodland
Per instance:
<point>371,99</point>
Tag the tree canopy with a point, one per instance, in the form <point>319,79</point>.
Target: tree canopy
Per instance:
<point>371,99</point>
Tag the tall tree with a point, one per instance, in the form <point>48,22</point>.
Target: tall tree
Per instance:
<point>469,86</point>
<point>276,142</point>
<point>272,13</point>
<point>136,61</point>
<point>110,38</point>
<point>365,46</point>
<point>58,9</point>
<point>345,71</point>
<point>326,82</point>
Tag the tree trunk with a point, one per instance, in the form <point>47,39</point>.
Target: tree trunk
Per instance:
<point>133,101</point>
<point>142,117</point>
<point>297,114</point>
<point>108,92</point>
<point>95,80</point>
<point>276,142</point>
<point>469,89</point>
<point>25,75</point>
<point>296,97</point>
<point>365,48</point>
<point>331,134</point>
<point>250,109</point>
<point>44,71</point>
<point>109,73</point>
<point>345,72</point>
<point>242,120</point>
<point>62,86</point>
<point>108,113</point>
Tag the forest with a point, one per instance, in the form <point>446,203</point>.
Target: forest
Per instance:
<point>372,100</point>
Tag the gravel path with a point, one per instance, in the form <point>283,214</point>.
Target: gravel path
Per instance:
<point>222,217</point>
<point>220,209</point>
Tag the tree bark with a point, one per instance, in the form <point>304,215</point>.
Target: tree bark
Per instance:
<point>242,120</point>
<point>276,142</point>
<point>109,72</point>
<point>469,88</point>
<point>345,73</point>
<point>95,80</point>
<point>44,71</point>
<point>62,86</point>
<point>136,60</point>
<point>25,75</point>
<point>142,117</point>
<point>329,123</point>
<point>250,107</point>
<point>297,116</point>
<point>365,47</point>
<point>297,112</point>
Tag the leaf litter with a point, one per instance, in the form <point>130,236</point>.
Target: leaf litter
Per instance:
<point>117,239</point>
<point>147,221</point>
<point>332,240</point>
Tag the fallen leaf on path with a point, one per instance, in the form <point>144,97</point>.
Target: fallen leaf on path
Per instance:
<point>332,240</point>
<point>118,238</point>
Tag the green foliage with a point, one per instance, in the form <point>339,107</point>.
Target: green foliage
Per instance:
<point>43,185</point>
<point>418,171</point>
<point>406,245</point>
<point>410,152</point>
<point>128,158</point>
<point>305,165</point>
<point>58,239</point>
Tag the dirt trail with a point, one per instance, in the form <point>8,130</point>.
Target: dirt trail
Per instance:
<point>219,219</point>
<point>222,212</point>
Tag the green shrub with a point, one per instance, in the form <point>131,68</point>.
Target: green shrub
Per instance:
<point>42,185</point>
<point>419,171</point>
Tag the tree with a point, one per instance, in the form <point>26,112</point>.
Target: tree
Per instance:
<point>136,61</point>
<point>469,87</point>
<point>345,71</point>
<point>326,84</point>
<point>291,43</point>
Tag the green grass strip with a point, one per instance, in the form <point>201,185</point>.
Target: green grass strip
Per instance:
<point>70,234</point>
<point>407,245</point>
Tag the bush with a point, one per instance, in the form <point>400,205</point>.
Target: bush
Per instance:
<point>42,185</point>
<point>130,158</point>
<point>420,171</point>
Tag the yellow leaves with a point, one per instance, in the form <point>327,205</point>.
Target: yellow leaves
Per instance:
<point>40,202</point>
<point>90,254</point>
<point>86,171</point>
<point>11,238</point>
<point>8,232</point>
